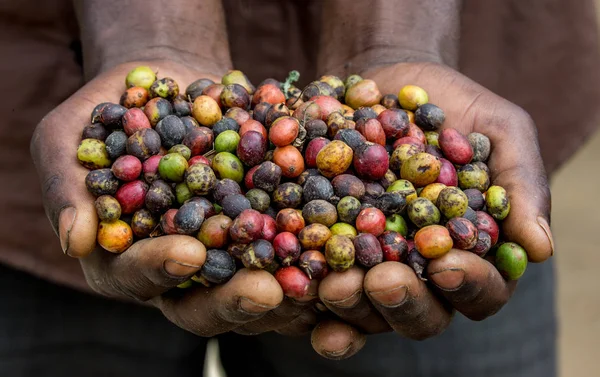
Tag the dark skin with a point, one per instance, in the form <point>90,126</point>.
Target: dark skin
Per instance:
<point>390,294</point>
<point>388,297</point>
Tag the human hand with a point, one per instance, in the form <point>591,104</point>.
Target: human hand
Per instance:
<point>251,302</point>
<point>390,296</point>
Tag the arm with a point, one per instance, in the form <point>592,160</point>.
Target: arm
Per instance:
<point>188,32</point>
<point>362,35</point>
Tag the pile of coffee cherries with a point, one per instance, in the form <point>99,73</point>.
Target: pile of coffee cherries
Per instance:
<point>295,182</point>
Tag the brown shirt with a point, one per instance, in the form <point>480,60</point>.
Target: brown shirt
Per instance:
<point>543,55</point>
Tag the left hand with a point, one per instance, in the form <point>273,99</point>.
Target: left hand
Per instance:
<point>390,296</point>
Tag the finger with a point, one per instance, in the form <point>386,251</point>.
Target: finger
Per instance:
<point>147,269</point>
<point>471,284</point>
<point>336,340</point>
<point>343,294</point>
<point>248,296</point>
<point>284,314</point>
<point>404,300</point>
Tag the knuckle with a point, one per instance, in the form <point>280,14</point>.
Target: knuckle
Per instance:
<point>510,119</point>
<point>98,282</point>
<point>108,285</point>
<point>523,120</point>
<point>132,288</point>
<point>477,303</point>
<point>50,195</point>
<point>52,182</point>
<point>51,186</point>
<point>520,113</point>
<point>470,292</point>
<point>524,117</point>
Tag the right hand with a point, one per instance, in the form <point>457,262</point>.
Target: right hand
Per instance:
<point>150,268</point>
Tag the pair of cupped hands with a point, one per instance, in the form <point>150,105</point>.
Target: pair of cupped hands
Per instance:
<point>388,297</point>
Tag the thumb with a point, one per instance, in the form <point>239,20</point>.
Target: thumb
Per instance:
<point>68,205</point>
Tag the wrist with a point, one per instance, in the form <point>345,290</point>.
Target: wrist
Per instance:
<point>115,32</point>
<point>372,60</point>
<point>112,77</point>
<point>391,77</point>
<point>366,34</point>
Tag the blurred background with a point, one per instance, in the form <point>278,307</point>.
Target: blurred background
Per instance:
<point>575,224</point>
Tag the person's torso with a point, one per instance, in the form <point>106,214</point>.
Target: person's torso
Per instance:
<point>544,57</point>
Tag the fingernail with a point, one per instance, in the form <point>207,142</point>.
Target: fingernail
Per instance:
<point>390,298</point>
<point>179,269</point>
<point>338,354</point>
<point>248,306</point>
<point>348,302</point>
<point>546,227</point>
<point>65,224</point>
<point>449,279</point>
